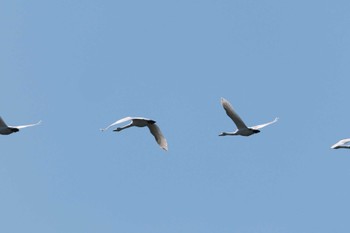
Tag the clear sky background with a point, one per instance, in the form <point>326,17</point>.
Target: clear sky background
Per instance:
<point>79,65</point>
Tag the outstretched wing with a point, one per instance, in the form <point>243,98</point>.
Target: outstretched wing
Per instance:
<point>341,143</point>
<point>264,125</point>
<point>25,126</point>
<point>118,122</point>
<point>2,123</point>
<point>155,131</point>
<point>232,114</point>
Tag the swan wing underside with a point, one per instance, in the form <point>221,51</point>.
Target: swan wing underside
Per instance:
<point>264,125</point>
<point>232,114</point>
<point>155,131</point>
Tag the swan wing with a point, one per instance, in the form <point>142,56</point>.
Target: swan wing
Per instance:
<point>264,125</point>
<point>155,131</point>
<point>2,123</point>
<point>341,143</point>
<point>25,126</point>
<point>232,114</point>
<point>118,122</point>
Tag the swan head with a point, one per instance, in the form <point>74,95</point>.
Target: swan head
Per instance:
<point>223,134</point>
<point>256,131</point>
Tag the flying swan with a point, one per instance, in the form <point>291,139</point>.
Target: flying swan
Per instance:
<point>342,144</point>
<point>142,122</point>
<point>242,129</point>
<point>6,130</point>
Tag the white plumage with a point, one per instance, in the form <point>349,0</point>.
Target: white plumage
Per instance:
<point>242,128</point>
<point>342,144</point>
<point>142,122</point>
<point>6,130</point>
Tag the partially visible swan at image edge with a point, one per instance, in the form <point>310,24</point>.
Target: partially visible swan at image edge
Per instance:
<point>6,130</point>
<point>342,144</point>
<point>242,129</point>
<point>142,122</point>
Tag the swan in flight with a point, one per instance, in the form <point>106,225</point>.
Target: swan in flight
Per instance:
<point>6,130</point>
<point>342,144</point>
<point>142,122</point>
<point>242,129</point>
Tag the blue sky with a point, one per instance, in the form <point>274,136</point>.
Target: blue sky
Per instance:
<point>80,65</point>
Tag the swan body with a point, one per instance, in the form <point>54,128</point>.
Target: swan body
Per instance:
<point>142,122</point>
<point>242,128</point>
<point>342,144</point>
<point>6,130</point>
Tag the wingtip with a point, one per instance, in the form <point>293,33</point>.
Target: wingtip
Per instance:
<point>334,146</point>
<point>164,147</point>
<point>103,129</point>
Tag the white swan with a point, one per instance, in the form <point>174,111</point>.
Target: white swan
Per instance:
<point>142,122</point>
<point>342,144</point>
<point>242,129</point>
<point>6,130</point>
